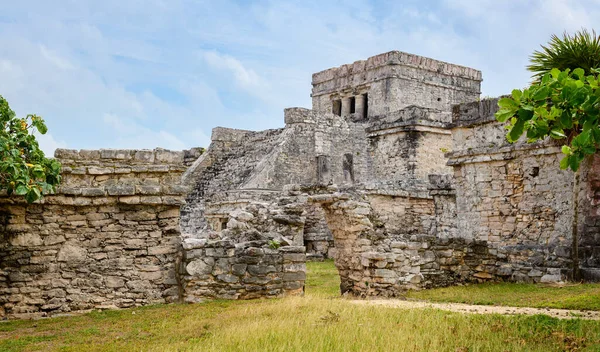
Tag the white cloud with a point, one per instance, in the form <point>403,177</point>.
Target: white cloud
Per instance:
<point>55,59</point>
<point>48,144</point>
<point>130,134</point>
<point>244,77</point>
<point>126,74</point>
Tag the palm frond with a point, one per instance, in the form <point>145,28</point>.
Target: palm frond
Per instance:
<point>571,51</point>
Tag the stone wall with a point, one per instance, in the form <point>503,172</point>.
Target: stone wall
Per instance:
<point>395,80</point>
<point>516,200</point>
<point>318,239</point>
<point>227,164</point>
<point>588,242</point>
<point>226,270</point>
<point>387,244</point>
<point>249,215</point>
<point>108,238</point>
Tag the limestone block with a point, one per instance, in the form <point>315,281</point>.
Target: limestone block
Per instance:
<point>71,253</point>
<point>95,170</point>
<point>120,154</point>
<point>168,157</point>
<point>114,282</point>
<point>228,278</point>
<point>53,239</point>
<point>297,276</point>
<point>148,189</point>
<point>26,240</point>
<point>193,243</point>
<point>158,250</point>
<point>551,278</point>
<point>199,267</point>
<point>260,270</point>
<point>121,190</point>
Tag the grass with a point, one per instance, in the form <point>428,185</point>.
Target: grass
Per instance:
<point>320,321</point>
<point>580,296</point>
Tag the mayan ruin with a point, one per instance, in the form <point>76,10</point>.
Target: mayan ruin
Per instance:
<point>399,172</point>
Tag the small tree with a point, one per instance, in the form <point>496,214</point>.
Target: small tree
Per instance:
<point>24,169</point>
<point>562,103</point>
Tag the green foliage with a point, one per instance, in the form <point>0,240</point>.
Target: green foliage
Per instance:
<point>563,105</point>
<point>569,296</point>
<point>24,169</point>
<point>274,244</point>
<point>571,51</point>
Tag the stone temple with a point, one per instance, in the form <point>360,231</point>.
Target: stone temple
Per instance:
<point>399,172</point>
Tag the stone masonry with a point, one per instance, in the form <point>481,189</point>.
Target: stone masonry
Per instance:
<point>407,175</point>
<point>398,172</point>
<point>109,237</point>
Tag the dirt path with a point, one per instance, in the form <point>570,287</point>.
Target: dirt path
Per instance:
<point>475,309</point>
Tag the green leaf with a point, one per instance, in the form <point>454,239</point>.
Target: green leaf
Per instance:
<point>555,72</point>
<point>579,73</point>
<point>589,149</point>
<point>516,94</point>
<point>564,163</point>
<point>508,104</point>
<point>503,115</point>
<point>525,114</point>
<point>21,190</point>
<point>575,161</point>
<point>516,131</point>
<point>566,150</point>
<point>546,79</point>
<point>557,134</point>
<point>541,94</point>
<point>32,195</point>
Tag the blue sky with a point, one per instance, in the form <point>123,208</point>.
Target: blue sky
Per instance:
<point>149,73</point>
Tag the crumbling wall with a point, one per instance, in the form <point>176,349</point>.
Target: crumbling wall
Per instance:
<point>318,239</point>
<point>375,258</point>
<point>227,164</point>
<point>108,238</point>
<point>253,247</point>
<point>588,240</point>
<point>387,244</point>
<point>254,269</point>
<point>250,215</point>
<point>516,200</point>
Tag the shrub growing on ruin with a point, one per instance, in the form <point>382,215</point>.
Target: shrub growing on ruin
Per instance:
<point>562,103</point>
<point>24,169</point>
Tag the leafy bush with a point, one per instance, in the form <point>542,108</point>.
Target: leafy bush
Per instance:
<point>563,105</point>
<point>24,169</point>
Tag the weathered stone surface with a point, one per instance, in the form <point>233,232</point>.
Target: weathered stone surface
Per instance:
<point>84,248</point>
<point>199,267</point>
<point>385,174</point>
<point>26,240</point>
<point>71,253</point>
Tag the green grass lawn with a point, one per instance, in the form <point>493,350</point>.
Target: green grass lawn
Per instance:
<point>578,296</point>
<point>319,321</point>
